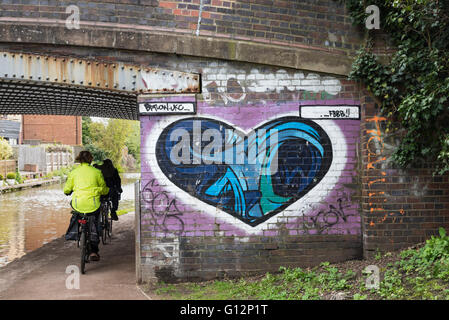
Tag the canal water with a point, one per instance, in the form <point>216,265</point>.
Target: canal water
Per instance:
<point>33,217</point>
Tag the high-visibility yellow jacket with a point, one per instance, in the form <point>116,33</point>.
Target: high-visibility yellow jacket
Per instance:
<point>87,184</point>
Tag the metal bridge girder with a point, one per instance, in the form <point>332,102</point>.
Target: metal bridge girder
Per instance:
<point>41,84</point>
<point>95,74</point>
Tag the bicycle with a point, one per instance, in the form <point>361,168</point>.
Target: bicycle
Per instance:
<point>106,220</point>
<point>85,221</point>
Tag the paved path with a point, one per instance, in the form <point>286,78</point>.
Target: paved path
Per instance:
<point>41,274</point>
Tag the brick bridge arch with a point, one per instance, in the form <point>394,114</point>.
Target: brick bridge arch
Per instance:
<point>314,36</point>
<point>258,62</point>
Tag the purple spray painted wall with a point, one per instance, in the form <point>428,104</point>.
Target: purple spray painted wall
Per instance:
<point>178,207</point>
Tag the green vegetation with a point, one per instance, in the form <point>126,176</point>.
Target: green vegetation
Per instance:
<point>18,177</point>
<point>63,172</point>
<point>124,211</point>
<point>57,148</point>
<point>413,86</point>
<point>418,273</point>
<point>5,149</point>
<point>133,142</point>
<point>289,284</point>
<point>118,140</point>
<point>10,175</point>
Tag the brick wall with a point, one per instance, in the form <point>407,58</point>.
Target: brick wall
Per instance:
<point>195,225</point>
<point>184,237</point>
<point>401,207</point>
<point>316,23</point>
<point>53,129</point>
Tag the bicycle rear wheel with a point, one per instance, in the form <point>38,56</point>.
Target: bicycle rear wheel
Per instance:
<point>110,227</point>
<point>104,226</point>
<point>109,223</point>
<point>78,237</point>
<point>83,243</point>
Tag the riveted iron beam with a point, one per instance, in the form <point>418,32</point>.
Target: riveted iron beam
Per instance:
<point>96,74</point>
<point>41,84</point>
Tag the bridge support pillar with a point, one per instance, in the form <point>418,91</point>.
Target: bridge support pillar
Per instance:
<point>258,171</point>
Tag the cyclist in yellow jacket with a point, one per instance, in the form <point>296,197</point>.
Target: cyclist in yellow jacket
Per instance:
<point>86,184</point>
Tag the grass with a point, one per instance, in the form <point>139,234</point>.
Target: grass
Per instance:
<point>62,172</point>
<point>418,273</point>
<point>295,283</point>
<point>124,211</point>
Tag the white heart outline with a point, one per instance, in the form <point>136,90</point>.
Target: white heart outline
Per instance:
<point>296,209</point>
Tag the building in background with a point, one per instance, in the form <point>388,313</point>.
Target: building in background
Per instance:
<point>39,129</point>
<point>42,132</point>
<point>10,128</point>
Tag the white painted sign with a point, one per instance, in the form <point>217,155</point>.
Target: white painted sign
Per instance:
<point>157,108</point>
<point>329,112</point>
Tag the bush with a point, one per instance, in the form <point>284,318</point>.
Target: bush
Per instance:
<point>63,172</point>
<point>18,177</point>
<point>432,260</point>
<point>5,149</point>
<point>11,175</point>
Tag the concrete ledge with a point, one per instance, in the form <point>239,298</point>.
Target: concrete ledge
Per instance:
<point>151,39</point>
<point>17,187</point>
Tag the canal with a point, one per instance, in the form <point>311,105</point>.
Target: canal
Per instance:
<point>33,217</point>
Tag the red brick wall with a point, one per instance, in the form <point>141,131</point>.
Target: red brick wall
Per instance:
<point>53,129</point>
<point>400,207</point>
<point>317,23</point>
<point>396,207</point>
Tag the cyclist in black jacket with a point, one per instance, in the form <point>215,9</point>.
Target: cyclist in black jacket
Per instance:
<point>114,183</point>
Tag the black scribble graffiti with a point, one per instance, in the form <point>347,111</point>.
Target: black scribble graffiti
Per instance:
<point>164,212</point>
<point>326,219</point>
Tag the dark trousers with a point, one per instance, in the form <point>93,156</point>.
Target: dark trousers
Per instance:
<point>95,232</point>
<point>94,229</point>
<point>115,197</point>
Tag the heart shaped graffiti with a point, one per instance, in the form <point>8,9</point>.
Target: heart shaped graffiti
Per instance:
<point>250,176</point>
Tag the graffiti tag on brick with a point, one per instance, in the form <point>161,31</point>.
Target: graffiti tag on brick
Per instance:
<point>330,112</point>
<point>152,108</point>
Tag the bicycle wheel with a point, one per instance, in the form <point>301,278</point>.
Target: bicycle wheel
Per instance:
<point>110,228</point>
<point>110,223</point>
<point>83,243</point>
<point>78,237</point>
<point>104,226</point>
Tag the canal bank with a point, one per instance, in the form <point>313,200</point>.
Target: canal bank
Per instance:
<point>44,273</point>
<point>29,184</point>
<point>32,217</point>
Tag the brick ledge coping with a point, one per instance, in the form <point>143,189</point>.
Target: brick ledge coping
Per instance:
<point>175,41</point>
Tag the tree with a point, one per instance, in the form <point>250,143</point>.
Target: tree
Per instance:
<point>108,140</point>
<point>92,134</point>
<point>133,141</point>
<point>85,124</point>
<point>114,139</point>
<point>413,86</point>
<point>5,149</point>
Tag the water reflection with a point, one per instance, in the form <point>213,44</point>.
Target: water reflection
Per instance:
<point>34,217</point>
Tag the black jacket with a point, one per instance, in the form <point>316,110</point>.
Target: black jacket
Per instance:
<point>112,178</point>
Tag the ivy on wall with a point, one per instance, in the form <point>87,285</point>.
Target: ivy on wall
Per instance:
<point>413,86</point>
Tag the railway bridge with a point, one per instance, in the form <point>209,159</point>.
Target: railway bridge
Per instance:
<point>218,81</point>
